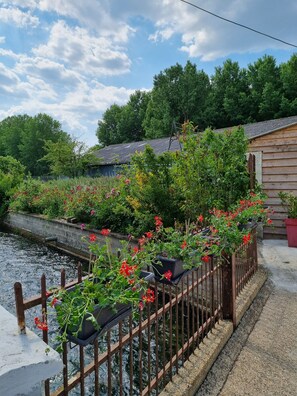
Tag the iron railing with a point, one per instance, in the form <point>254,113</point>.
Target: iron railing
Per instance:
<point>142,353</point>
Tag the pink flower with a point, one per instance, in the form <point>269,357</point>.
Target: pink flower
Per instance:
<point>92,212</point>
<point>82,226</point>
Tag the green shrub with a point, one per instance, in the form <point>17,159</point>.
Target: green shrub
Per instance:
<point>11,175</point>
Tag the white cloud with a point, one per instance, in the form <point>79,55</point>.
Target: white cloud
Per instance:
<point>83,52</point>
<point>21,3</point>
<point>49,71</point>
<point>7,77</point>
<point>208,38</point>
<point>17,17</point>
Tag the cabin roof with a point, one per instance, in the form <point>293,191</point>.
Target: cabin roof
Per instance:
<point>121,153</point>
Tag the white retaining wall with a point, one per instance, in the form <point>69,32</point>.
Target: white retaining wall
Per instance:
<point>24,364</point>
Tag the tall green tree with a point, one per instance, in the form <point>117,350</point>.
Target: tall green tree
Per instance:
<point>265,86</point>
<point>124,123</point>
<point>12,130</point>
<point>288,76</point>
<point>178,94</point>
<point>228,103</point>
<point>37,130</point>
<point>22,137</point>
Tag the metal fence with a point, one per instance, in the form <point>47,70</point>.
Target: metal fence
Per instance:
<point>141,353</point>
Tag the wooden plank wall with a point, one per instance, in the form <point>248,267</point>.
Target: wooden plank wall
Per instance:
<point>279,173</point>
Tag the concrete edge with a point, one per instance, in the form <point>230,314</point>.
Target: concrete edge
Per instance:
<point>193,373</point>
<point>249,293</point>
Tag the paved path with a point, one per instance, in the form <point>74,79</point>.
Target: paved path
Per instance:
<point>262,361</point>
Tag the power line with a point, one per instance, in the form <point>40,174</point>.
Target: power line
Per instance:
<point>239,24</point>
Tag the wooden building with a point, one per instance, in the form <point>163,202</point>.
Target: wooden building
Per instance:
<point>276,165</point>
<point>274,143</point>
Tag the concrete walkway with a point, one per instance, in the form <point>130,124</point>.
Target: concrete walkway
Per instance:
<point>261,357</point>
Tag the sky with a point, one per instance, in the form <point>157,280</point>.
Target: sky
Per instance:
<point>73,59</point>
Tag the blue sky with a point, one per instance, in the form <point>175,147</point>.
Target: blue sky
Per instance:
<point>72,59</point>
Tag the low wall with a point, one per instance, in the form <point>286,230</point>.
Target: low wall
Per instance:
<point>59,234</point>
<point>25,359</point>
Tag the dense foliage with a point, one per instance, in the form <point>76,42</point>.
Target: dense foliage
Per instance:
<point>68,157</point>
<point>23,138</point>
<point>11,175</point>
<point>209,172</point>
<point>231,96</point>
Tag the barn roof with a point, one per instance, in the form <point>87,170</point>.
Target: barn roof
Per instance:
<point>121,153</point>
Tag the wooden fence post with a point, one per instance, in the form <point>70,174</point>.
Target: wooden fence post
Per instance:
<point>252,170</point>
<point>20,312</point>
<point>229,288</point>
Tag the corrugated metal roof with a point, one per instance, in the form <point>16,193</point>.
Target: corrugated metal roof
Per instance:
<point>121,153</point>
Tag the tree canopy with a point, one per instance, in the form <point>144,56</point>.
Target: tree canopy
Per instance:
<point>68,158</point>
<point>22,137</point>
<point>231,96</point>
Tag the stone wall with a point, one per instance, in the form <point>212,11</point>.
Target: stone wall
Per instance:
<point>64,236</point>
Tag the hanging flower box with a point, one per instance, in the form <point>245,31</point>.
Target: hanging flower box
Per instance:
<point>164,264</point>
<point>101,319</point>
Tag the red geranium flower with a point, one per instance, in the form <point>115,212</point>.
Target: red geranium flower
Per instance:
<point>200,219</point>
<point>92,238</point>
<point>105,231</point>
<point>246,239</point>
<point>167,275</point>
<point>149,296</point>
<point>41,325</point>
<point>126,269</point>
<point>158,221</point>
<point>184,245</point>
<point>206,259</point>
<point>149,234</point>
<point>54,302</point>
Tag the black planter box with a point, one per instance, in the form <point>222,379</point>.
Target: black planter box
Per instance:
<point>174,265</point>
<point>106,318</point>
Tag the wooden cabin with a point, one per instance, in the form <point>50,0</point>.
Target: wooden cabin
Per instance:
<point>274,143</point>
<point>276,169</point>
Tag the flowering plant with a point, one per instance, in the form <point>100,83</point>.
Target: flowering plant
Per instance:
<point>183,244</point>
<point>289,201</point>
<point>115,279</point>
<point>228,228</point>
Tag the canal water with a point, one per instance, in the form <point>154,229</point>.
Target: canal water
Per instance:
<point>23,260</point>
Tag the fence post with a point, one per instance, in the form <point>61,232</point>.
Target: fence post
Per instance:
<point>229,288</point>
<point>19,303</point>
<point>252,170</point>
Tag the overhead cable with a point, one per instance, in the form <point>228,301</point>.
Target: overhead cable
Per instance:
<point>239,24</point>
